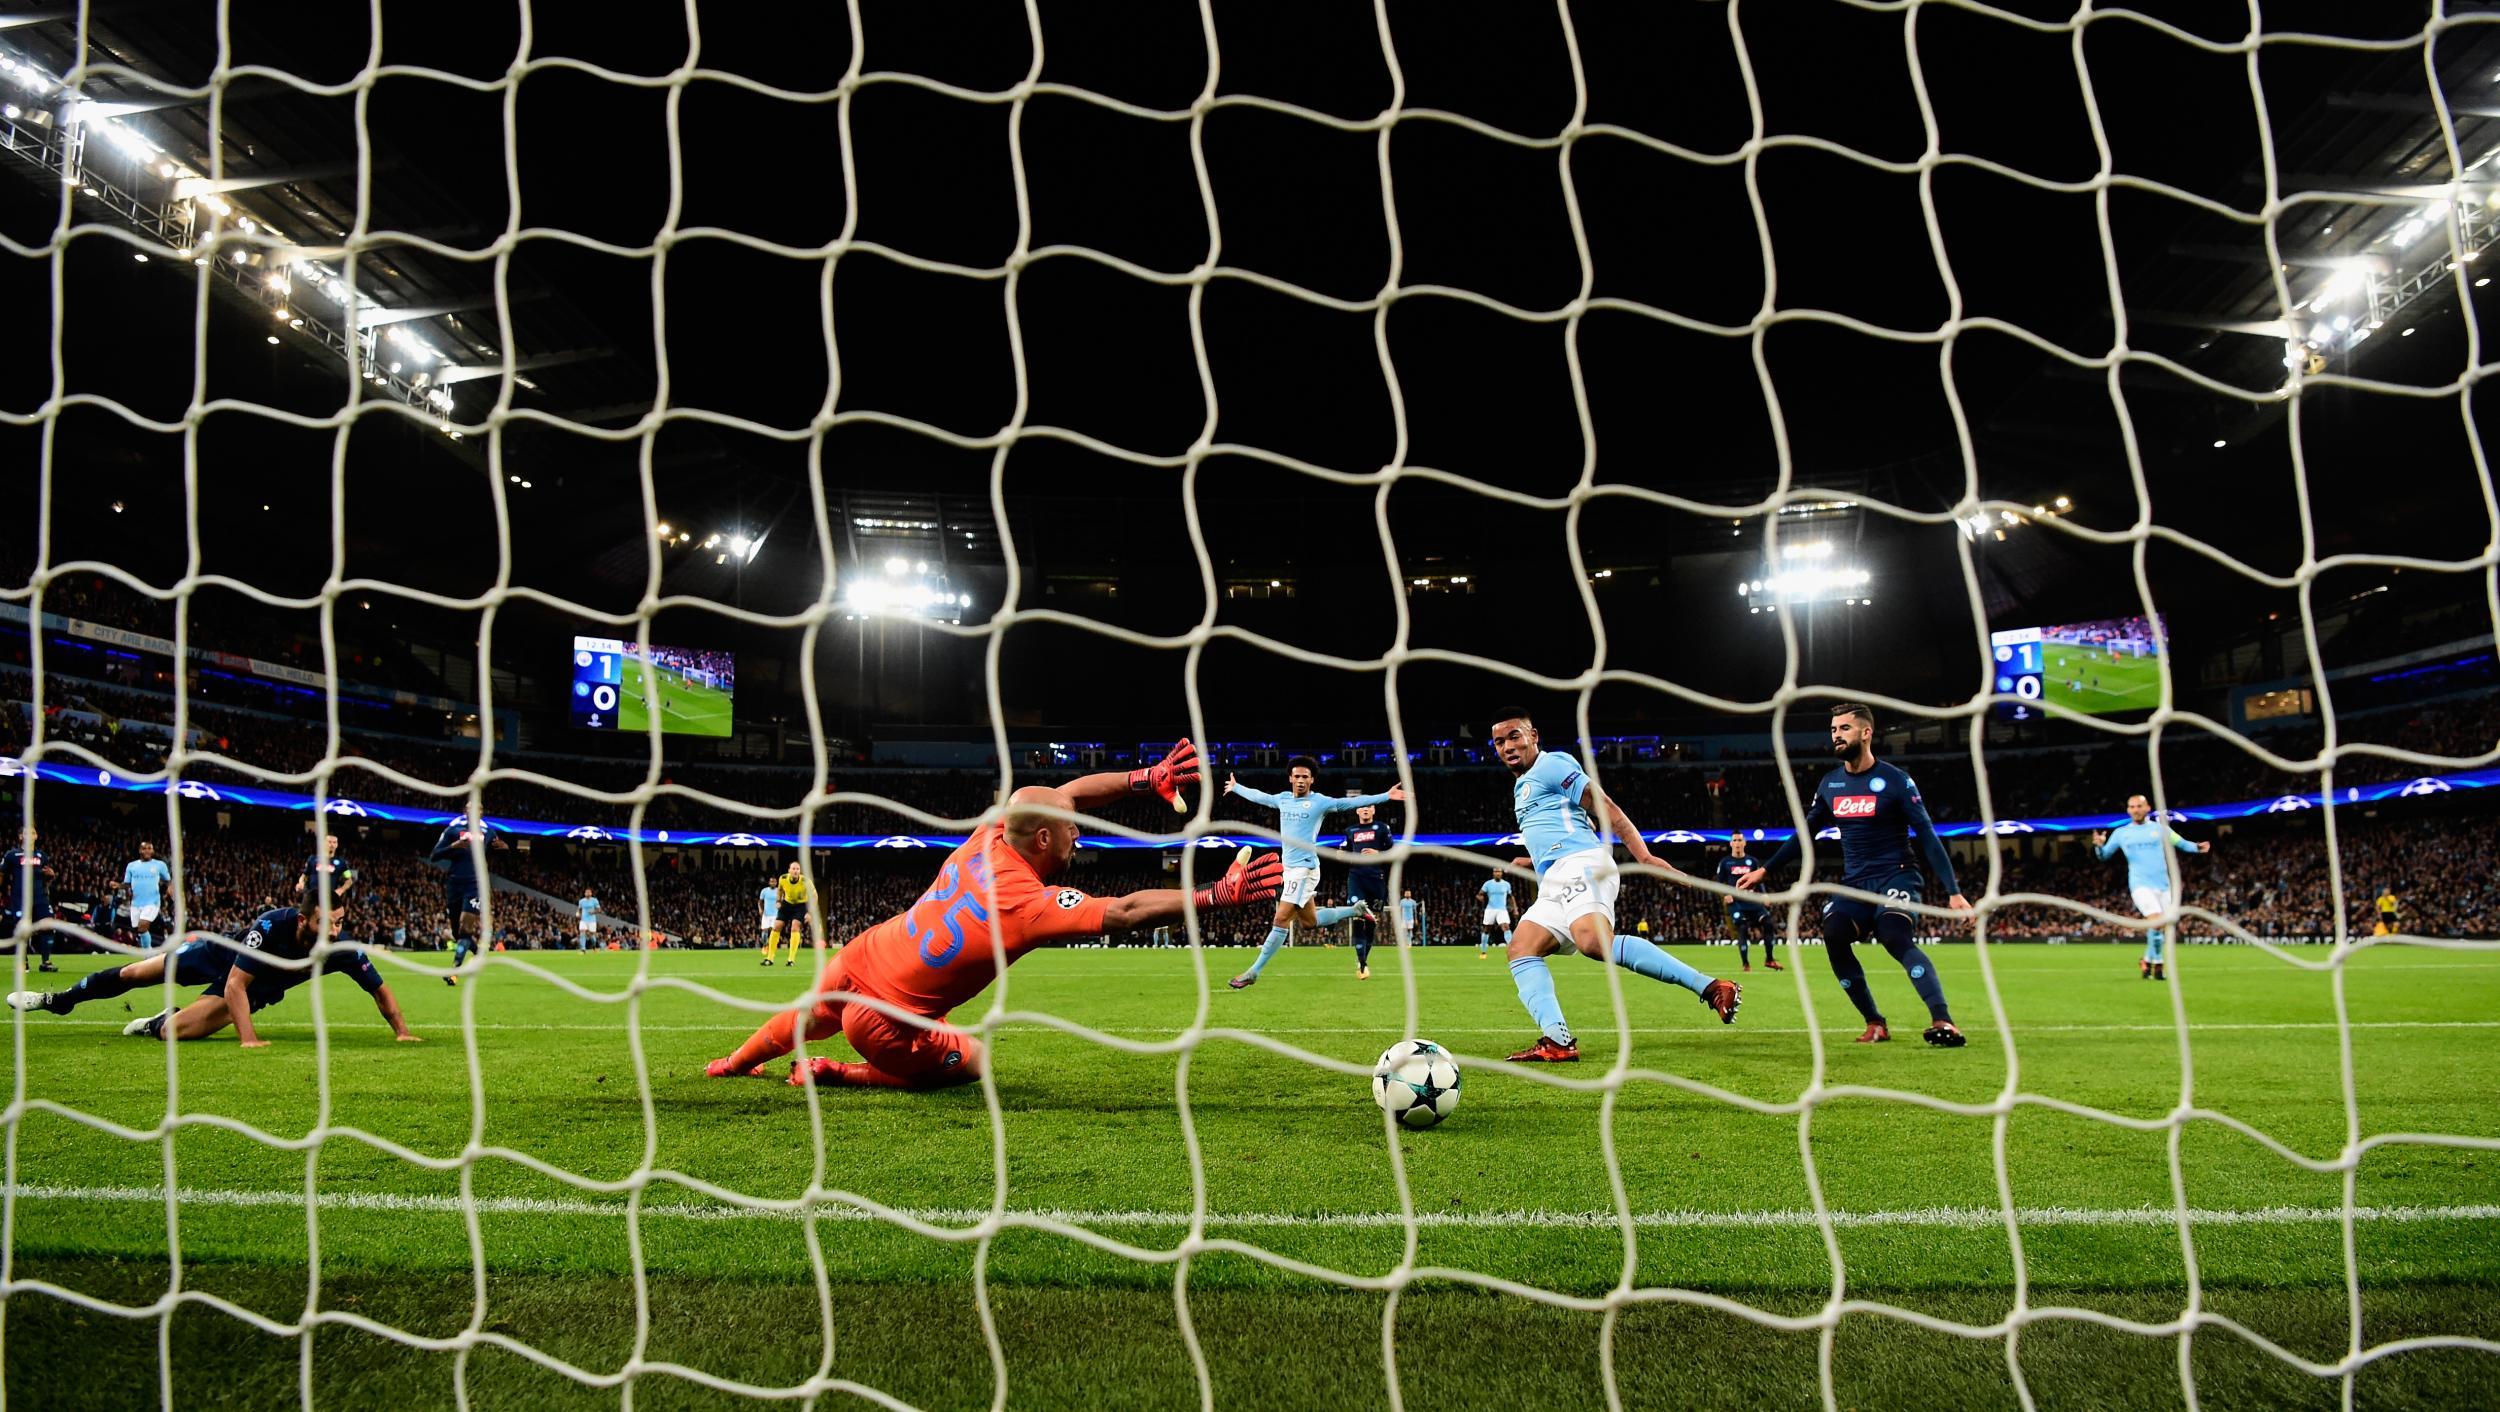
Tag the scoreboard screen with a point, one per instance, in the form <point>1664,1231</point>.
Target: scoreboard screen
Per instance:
<point>2017,652</point>
<point>617,687</point>
<point>2099,668</point>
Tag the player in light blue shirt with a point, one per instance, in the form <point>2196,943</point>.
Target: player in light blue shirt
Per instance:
<point>1496,895</point>
<point>1576,885</point>
<point>770,899</point>
<point>1299,813</point>
<point>148,881</point>
<point>1411,919</point>
<point>589,906</point>
<point>2147,846</point>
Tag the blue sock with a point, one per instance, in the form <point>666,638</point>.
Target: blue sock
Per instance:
<point>1483,940</point>
<point>95,985</point>
<point>1331,916</point>
<point>1893,930</point>
<point>1644,959</point>
<point>2152,946</point>
<point>1844,958</point>
<point>1536,991</point>
<point>1267,949</point>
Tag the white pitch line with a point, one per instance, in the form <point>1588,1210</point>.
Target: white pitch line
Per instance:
<point>1934,1217</point>
<point>1024,1028</point>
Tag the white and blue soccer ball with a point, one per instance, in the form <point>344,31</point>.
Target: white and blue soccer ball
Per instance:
<point>1416,1082</point>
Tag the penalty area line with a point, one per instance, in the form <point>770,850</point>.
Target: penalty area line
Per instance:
<point>1934,1217</point>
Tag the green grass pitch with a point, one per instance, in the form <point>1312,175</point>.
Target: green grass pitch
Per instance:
<point>1295,1163</point>
<point>2089,682</point>
<point>687,708</point>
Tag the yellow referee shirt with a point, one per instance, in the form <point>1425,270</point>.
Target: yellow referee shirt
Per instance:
<point>793,890</point>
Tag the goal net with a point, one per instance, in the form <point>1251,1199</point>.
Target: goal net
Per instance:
<point>1826,305</point>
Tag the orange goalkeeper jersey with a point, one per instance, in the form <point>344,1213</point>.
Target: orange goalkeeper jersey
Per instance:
<point>986,908</point>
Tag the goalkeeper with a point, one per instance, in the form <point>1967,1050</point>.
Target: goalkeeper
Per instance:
<point>992,902</point>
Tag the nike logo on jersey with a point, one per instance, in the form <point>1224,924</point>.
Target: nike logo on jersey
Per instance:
<point>1853,806</point>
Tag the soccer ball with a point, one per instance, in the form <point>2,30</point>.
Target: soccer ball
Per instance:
<point>1416,1082</point>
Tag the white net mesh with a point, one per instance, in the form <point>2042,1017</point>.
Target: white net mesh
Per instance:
<point>1591,494</point>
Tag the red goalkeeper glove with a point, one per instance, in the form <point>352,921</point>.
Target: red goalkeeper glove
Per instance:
<point>1178,768</point>
<point>1249,880</point>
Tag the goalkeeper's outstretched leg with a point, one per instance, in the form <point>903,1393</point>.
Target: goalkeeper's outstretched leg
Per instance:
<point>774,1038</point>
<point>897,1054</point>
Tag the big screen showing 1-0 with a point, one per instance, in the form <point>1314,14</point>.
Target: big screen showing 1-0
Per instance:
<point>616,687</point>
<point>2097,668</point>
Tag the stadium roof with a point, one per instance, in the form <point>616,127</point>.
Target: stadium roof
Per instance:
<point>598,160</point>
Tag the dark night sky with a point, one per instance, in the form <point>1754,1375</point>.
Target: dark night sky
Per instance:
<point>1485,396</point>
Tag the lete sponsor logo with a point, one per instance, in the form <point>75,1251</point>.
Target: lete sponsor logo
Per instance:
<point>1853,806</point>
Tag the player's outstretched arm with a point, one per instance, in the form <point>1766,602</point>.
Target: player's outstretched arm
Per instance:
<point>238,997</point>
<point>1931,845</point>
<point>1816,817</point>
<point>1395,794</point>
<point>388,1004</point>
<point>1166,779</point>
<point>1251,880</point>
<point>1601,805</point>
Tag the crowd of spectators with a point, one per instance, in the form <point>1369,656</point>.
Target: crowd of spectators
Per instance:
<point>2270,880</point>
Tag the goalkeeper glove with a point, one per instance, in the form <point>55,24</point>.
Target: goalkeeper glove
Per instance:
<point>1247,881</point>
<point>1178,768</point>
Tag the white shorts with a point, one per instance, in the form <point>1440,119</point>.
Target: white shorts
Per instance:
<point>1578,885</point>
<point>2152,901</point>
<point>590,928</point>
<point>1497,917</point>
<point>144,916</point>
<point>1301,884</point>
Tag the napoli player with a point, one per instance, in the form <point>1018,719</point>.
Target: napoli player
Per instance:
<point>2147,846</point>
<point>1744,917</point>
<point>1876,807</point>
<point>150,885</point>
<point>461,887</point>
<point>1495,891</point>
<point>328,866</point>
<point>1576,885</point>
<point>30,893</point>
<point>1367,886</point>
<point>1299,813</point>
<point>239,982</point>
<point>991,903</point>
